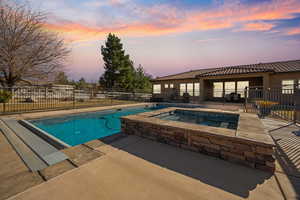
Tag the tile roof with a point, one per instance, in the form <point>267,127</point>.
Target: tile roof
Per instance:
<point>185,75</point>
<point>275,67</point>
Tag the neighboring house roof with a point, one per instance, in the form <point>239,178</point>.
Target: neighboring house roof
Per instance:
<point>275,67</point>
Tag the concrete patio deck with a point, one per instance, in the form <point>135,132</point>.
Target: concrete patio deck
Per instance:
<point>135,168</point>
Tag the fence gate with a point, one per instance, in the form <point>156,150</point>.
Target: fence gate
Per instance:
<point>274,102</point>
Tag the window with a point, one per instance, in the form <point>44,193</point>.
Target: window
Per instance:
<point>190,89</point>
<point>218,89</point>
<point>196,89</point>
<point>193,89</point>
<point>166,85</point>
<point>182,88</point>
<point>229,87</point>
<point>241,85</point>
<point>287,86</point>
<point>171,85</point>
<point>156,89</point>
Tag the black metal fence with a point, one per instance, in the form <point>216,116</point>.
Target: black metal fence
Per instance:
<point>34,98</point>
<point>280,102</point>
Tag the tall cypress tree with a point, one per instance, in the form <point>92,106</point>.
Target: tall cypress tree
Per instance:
<point>119,70</point>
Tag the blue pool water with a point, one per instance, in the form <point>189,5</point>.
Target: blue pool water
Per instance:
<point>81,128</point>
<point>222,120</point>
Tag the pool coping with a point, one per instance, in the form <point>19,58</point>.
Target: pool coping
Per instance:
<point>43,134</point>
<point>247,124</point>
<point>56,113</point>
<point>24,120</point>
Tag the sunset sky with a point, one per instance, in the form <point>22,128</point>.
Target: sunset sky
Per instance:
<point>170,36</point>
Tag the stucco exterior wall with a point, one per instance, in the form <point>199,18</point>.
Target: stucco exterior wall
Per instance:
<point>276,79</point>
<point>266,80</point>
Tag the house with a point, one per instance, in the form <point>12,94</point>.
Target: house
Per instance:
<point>216,83</point>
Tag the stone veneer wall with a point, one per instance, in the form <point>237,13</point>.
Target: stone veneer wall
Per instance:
<point>234,149</point>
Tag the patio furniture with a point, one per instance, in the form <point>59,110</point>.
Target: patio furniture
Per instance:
<point>186,97</point>
<point>233,97</point>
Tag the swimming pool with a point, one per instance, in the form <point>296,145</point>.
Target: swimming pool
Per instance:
<point>81,128</point>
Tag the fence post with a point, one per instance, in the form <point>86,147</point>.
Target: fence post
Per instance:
<point>297,105</point>
<point>74,98</point>
<point>46,90</point>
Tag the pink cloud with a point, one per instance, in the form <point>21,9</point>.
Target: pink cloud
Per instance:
<point>257,27</point>
<point>163,19</point>
<point>294,31</point>
<point>209,40</point>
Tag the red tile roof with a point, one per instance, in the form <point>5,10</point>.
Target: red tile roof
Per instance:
<point>275,67</point>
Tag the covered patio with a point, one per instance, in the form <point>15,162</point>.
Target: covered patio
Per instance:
<point>216,88</point>
<point>209,87</point>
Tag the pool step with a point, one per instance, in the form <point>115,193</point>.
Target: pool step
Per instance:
<point>48,153</point>
<point>31,160</point>
<point>44,135</point>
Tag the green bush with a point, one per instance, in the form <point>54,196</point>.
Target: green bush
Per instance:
<point>5,96</point>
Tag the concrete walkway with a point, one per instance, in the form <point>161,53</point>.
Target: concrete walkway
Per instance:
<point>135,168</point>
<point>14,174</point>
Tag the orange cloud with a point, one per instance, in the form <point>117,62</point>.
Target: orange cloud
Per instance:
<point>257,27</point>
<point>79,33</point>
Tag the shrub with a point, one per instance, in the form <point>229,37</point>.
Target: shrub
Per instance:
<point>5,96</point>
<point>81,100</point>
<point>29,100</point>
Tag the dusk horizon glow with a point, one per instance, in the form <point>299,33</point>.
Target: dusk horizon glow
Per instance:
<point>173,36</point>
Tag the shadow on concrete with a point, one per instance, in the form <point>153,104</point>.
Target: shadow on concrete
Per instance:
<point>233,178</point>
<point>288,155</point>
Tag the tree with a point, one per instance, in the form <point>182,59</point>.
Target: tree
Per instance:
<point>61,78</point>
<point>119,70</point>
<point>142,80</point>
<point>27,50</point>
<point>81,84</point>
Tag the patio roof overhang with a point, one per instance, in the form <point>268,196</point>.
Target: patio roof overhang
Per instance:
<point>235,76</point>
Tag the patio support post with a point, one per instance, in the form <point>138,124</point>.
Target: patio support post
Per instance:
<point>202,91</point>
<point>266,86</point>
<point>246,98</point>
<point>266,81</point>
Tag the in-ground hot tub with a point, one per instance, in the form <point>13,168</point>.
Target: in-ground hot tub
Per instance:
<point>215,119</point>
<point>232,136</point>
